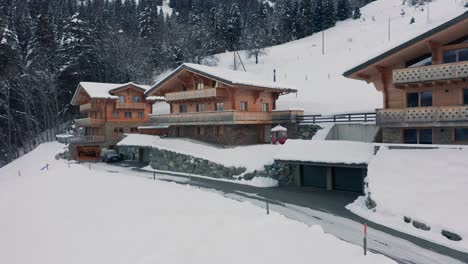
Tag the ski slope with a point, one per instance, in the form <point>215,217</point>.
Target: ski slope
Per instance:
<point>322,88</point>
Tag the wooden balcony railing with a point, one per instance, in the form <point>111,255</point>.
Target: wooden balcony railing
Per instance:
<point>225,117</point>
<point>86,139</point>
<point>89,122</point>
<point>440,72</point>
<point>195,94</point>
<point>444,115</point>
<point>130,105</point>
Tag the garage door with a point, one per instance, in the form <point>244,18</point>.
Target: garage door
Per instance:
<point>348,179</point>
<point>314,176</point>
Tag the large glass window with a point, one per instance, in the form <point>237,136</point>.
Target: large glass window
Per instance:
<point>425,136</point>
<point>450,56</point>
<point>128,114</point>
<point>410,136</point>
<point>136,99</point>
<point>219,106</point>
<point>182,108</point>
<point>243,106</point>
<point>465,96</point>
<point>121,98</point>
<point>421,99</point>
<point>461,134</point>
<point>200,107</point>
<point>412,100</point>
<point>463,54</point>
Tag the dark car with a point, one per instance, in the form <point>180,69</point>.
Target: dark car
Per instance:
<point>111,156</point>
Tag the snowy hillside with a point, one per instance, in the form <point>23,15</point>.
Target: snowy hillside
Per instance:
<point>322,89</point>
<point>77,215</point>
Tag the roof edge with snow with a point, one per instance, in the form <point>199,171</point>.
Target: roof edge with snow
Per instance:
<point>406,44</point>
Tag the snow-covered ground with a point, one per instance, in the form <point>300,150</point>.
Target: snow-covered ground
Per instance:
<point>80,215</point>
<point>429,186</point>
<point>322,88</point>
<point>255,157</point>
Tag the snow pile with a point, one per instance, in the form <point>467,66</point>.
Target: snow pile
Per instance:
<point>322,88</point>
<point>255,157</point>
<point>77,215</point>
<point>429,186</point>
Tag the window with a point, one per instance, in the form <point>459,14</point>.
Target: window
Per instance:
<point>200,131</point>
<point>118,130</point>
<point>115,114</point>
<point>134,130</point>
<point>199,85</point>
<point>214,84</point>
<point>182,108</point>
<point>128,114</point>
<point>178,132</point>
<point>425,136</point>
<point>420,99</point>
<point>219,131</point>
<point>450,56</point>
<point>140,114</point>
<point>461,134</point>
<point>219,106</point>
<point>243,106</point>
<point>200,107</point>
<point>410,136</point>
<point>424,60</point>
<point>456,55</point>
<point>121,98</point>
<point>465,96</point>
<point>417,136</point>
<point>136,99</point>
<point>265,107</point>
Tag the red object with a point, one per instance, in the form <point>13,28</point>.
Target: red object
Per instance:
<point>282,140</point>
<point>273,140</point>
<point>365,229</point>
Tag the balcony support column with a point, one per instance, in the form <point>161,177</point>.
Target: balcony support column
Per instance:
<point>386,79</point>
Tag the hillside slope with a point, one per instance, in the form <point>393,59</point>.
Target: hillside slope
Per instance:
<point>322,88</point>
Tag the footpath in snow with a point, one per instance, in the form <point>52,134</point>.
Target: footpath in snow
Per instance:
<point>429,186</point>
<point>77,215</point>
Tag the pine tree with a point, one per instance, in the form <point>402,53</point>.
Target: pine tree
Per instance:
<point>329,14</point>
<point>343,10</point>
<point>319,15</point>
<point>233,28</point>
<point>305,18</point>
<point>356,13</point>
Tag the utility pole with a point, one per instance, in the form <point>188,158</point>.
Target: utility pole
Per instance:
<point>389,29</point>
<point>428,12</point>
<point>234,53</point>
<point>323,42</point>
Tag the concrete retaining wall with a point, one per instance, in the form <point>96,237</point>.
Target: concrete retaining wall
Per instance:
<point>353,132</point>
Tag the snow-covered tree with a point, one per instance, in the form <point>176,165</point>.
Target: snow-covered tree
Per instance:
<point>343,10</point>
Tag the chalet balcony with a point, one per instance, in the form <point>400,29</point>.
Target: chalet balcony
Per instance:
<point>440,72</point>
<point>423,116</point>
<point>86,139</point>
<point>229,117</point>
<point>131,105</point>
<point>195,94</point>
<point>89,122</point>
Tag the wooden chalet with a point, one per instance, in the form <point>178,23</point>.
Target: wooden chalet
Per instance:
<point>221,106</point>
<point>107,111</point>
<point>424,86</point>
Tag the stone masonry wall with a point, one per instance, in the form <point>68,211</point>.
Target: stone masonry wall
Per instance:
<point>307,131</point>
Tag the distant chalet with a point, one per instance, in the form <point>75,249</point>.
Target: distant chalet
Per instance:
<point>424,86</point>
<point>221,106</point>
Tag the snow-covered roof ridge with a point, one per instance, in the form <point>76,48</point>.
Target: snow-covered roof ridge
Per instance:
<point>227,76</point>
<point>104,90</point>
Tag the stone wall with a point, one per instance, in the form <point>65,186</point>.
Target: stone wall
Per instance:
<point>307,131</point>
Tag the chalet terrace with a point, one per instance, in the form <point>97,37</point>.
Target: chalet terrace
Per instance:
<point>107,111</point>
<point>424,86</point>
<point>221,106</point>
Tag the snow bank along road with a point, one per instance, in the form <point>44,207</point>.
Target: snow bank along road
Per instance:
<point>322,208</point>
<point>80,215</point>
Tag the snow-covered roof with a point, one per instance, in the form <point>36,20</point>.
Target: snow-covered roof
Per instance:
<point>153,127</point>
<point>156,98</point>
<point>278,128</point>
<point>104,90</point>
<point>227,76</point>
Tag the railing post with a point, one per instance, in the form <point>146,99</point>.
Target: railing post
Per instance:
<point>365,117</point>
<point>334,118</point>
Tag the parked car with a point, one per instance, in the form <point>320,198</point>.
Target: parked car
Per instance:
<point>111,155</point>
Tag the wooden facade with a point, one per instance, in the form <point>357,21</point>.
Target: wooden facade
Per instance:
<point>206,107</point>
<point>424,86</point>
<point>107,114</point>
